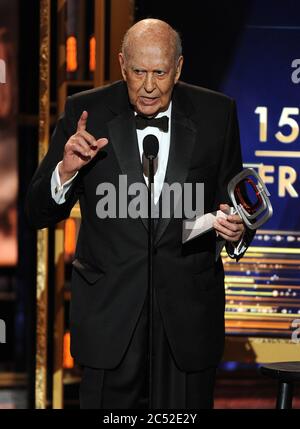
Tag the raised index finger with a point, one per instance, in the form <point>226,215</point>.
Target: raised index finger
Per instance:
<point>81,125</point>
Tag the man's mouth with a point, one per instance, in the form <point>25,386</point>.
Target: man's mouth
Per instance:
<point>148,101</point>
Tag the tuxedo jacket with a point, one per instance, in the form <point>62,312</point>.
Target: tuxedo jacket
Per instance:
<point>109,275</point>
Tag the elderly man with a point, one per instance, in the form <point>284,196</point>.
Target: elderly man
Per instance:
<point>99,138</point>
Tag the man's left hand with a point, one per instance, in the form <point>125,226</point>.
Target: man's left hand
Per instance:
<point>231,228</point>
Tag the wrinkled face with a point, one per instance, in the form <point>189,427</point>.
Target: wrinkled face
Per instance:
<point>150,72</point>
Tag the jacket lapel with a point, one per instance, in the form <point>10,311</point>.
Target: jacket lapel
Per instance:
<point>123,137</point>
<point>183,135</point>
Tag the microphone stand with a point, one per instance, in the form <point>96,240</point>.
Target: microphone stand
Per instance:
<point>150,272</point>
<point>151,148</point>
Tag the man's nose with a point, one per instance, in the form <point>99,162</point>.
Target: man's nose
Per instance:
<point>149,83</point>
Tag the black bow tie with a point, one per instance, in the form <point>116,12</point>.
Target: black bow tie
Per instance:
<point>142,122</point>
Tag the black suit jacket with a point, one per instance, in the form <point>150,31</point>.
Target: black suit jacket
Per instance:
<point>109,279</point>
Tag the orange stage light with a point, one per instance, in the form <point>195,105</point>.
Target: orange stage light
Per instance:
<point>70,237</point>
<point>71,52</point>
<point>68,361</point>
<point>92,64</point>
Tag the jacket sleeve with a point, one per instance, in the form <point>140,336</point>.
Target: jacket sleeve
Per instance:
<point>41,209</point>
<point>231,158</point>
<point>230,165</point>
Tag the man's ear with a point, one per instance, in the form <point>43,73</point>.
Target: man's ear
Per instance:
<point>122,65</point>
<point>178,68</point>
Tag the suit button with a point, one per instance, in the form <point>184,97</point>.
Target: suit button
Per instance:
<point>154,250</point>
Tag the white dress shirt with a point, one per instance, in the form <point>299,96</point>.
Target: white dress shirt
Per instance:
<point>163,153</point>
<point>58,191</point>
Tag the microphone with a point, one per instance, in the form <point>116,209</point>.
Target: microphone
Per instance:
<point>150,146</point>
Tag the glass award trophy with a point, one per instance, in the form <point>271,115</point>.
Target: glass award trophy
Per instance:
<point>250,198</point>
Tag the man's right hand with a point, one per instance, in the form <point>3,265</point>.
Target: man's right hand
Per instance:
<point>79,150</point>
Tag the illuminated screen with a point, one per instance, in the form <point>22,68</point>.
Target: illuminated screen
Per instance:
<point>263,290</point>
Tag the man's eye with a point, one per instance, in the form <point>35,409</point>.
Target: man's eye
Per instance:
<point>160,73</point>
<point>138,72</point>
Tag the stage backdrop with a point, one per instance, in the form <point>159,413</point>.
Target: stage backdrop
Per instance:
<point>264,77</point>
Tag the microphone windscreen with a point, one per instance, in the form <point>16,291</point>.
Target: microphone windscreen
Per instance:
<point>150,146</point>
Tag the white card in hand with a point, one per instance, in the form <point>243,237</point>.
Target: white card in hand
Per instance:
<point>192,228</point>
